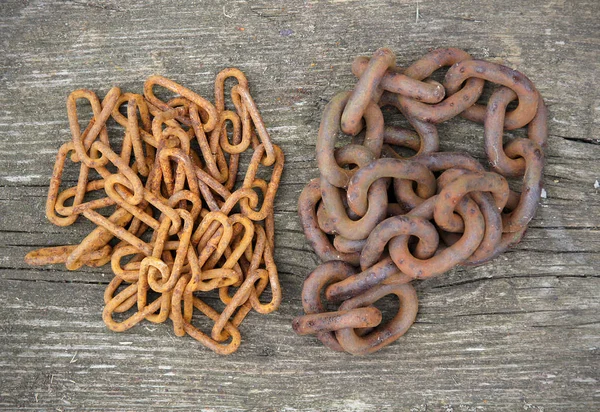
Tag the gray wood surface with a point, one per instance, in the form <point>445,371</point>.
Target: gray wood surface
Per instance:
<point>520,333</point>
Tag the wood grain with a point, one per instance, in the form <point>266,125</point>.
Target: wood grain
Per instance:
<point>520,333</point>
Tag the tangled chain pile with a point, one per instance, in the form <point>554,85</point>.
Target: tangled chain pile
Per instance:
<point>395,219</point>
<point>180,224</point>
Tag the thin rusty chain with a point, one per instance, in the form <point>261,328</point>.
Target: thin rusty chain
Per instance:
<point>379,220</point>
<point>173,208</point>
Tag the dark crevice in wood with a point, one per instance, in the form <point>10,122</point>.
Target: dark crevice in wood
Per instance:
<point>32,246</point>
<point>536,287</point>
<point>582,140</point>
<point>569,228</point>
<point>567,325</point>
<point>508,312</point>
<point>292,211</point>
<point>541,275</point>
<point>44,186</point>
<point>22,231</point>
<point>83,282</point>
<point>43,269</point>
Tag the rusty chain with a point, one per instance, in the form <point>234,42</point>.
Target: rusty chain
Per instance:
<point>169,220</point>
<point>379,220</point>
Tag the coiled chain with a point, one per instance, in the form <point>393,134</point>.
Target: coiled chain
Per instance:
<point>379,220</point>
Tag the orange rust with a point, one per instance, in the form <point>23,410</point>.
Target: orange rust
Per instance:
<point>195,244</point>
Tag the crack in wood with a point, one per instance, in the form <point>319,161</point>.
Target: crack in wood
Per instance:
<point>82,282</point>
<point>524,276</point>
<point>582,140</point>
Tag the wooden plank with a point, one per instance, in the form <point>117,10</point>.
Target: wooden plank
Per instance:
<point>488,343</point>
<point>520,333</point>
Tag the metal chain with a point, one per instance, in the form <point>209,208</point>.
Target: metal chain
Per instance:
<point>184,231</point>
<point>379,220</point>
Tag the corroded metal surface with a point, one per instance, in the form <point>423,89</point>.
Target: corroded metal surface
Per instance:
<point>172,208</point>
<point>379,220</point>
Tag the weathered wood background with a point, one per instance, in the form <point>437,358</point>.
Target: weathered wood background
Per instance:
<point>521,333</point>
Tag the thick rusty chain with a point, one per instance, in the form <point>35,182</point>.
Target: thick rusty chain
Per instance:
<point>183,231</point>
<point>379,220</point>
